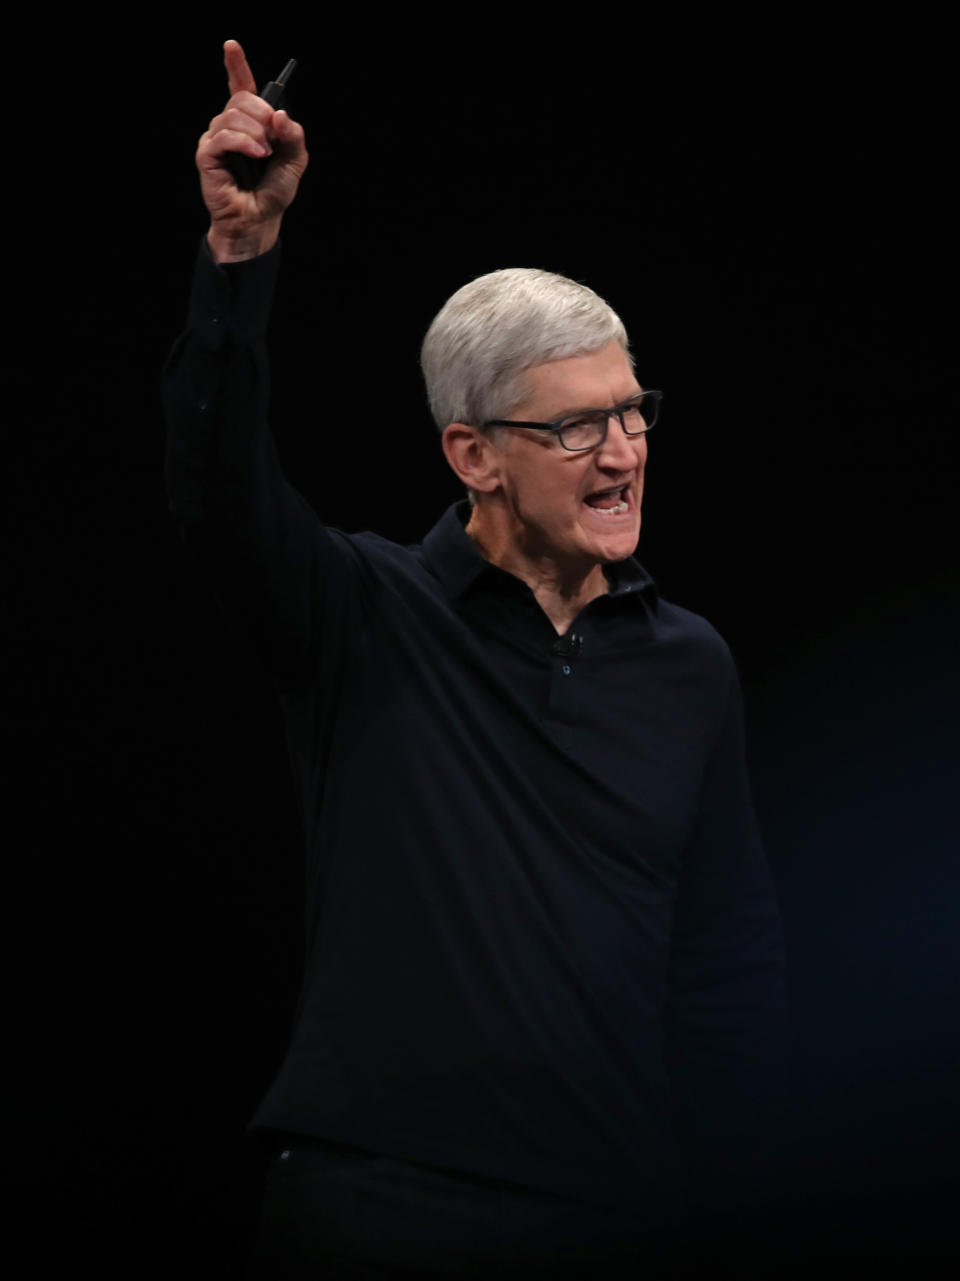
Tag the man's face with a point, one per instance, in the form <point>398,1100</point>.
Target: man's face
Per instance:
<point>559,503</point>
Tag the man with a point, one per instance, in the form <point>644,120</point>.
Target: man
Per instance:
<point>544,963</point>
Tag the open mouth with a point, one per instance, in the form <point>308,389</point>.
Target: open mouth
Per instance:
<point>610,502</point>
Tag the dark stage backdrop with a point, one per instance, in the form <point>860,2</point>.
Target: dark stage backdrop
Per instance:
<point>778,233</point>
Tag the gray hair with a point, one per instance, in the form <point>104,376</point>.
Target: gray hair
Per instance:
<point>491,331</point>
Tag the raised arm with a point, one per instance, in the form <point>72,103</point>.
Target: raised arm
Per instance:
<point>271,562</point>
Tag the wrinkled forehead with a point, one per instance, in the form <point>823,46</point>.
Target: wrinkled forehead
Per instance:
<point>593,380</point>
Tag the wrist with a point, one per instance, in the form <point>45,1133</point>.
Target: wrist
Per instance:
<point>231,244</point>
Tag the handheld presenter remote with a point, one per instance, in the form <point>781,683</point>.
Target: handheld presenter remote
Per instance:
<point>246,171</point>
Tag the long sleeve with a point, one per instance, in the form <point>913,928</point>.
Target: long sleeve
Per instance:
<point>727,1025</point>
<point>272,563</point>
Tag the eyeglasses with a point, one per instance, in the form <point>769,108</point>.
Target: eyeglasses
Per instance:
<point>588,428</point>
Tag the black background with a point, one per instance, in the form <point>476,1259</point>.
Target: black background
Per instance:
<point>772,215</point>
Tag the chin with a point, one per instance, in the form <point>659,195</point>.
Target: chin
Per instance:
<point>617,544</point>
<point>621,552</point>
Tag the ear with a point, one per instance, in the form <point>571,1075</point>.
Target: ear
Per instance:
<point>473,456</point>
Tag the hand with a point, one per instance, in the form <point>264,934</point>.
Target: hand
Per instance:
<point>246,223</point>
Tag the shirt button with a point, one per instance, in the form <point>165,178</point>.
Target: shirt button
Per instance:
<point>202,406</point>
<point>566,669</point>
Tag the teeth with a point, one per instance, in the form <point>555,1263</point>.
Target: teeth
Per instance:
<point>611,511</point>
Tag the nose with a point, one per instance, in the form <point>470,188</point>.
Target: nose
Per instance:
<point>620,452</point>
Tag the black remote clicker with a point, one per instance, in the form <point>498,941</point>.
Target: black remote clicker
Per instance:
<point>248,172</point>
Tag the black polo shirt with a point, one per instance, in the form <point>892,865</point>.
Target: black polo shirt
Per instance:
<point>541,930</point>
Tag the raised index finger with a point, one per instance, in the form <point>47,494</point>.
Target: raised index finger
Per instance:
<point>239,75</point>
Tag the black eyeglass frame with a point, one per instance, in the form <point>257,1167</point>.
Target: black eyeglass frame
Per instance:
<point>558,424</point>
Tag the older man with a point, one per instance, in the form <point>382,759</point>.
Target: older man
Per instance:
<point>544,957</point>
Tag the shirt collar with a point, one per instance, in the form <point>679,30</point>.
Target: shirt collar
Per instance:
<point>452,557</point>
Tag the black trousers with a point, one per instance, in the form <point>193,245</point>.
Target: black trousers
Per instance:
<point>337,1212</point>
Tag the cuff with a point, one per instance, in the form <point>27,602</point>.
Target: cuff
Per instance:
<point>232,299</point>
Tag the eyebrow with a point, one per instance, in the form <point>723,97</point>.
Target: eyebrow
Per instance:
<point>587,409</point>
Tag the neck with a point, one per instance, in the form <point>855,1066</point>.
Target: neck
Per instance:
<point>561,590</point>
